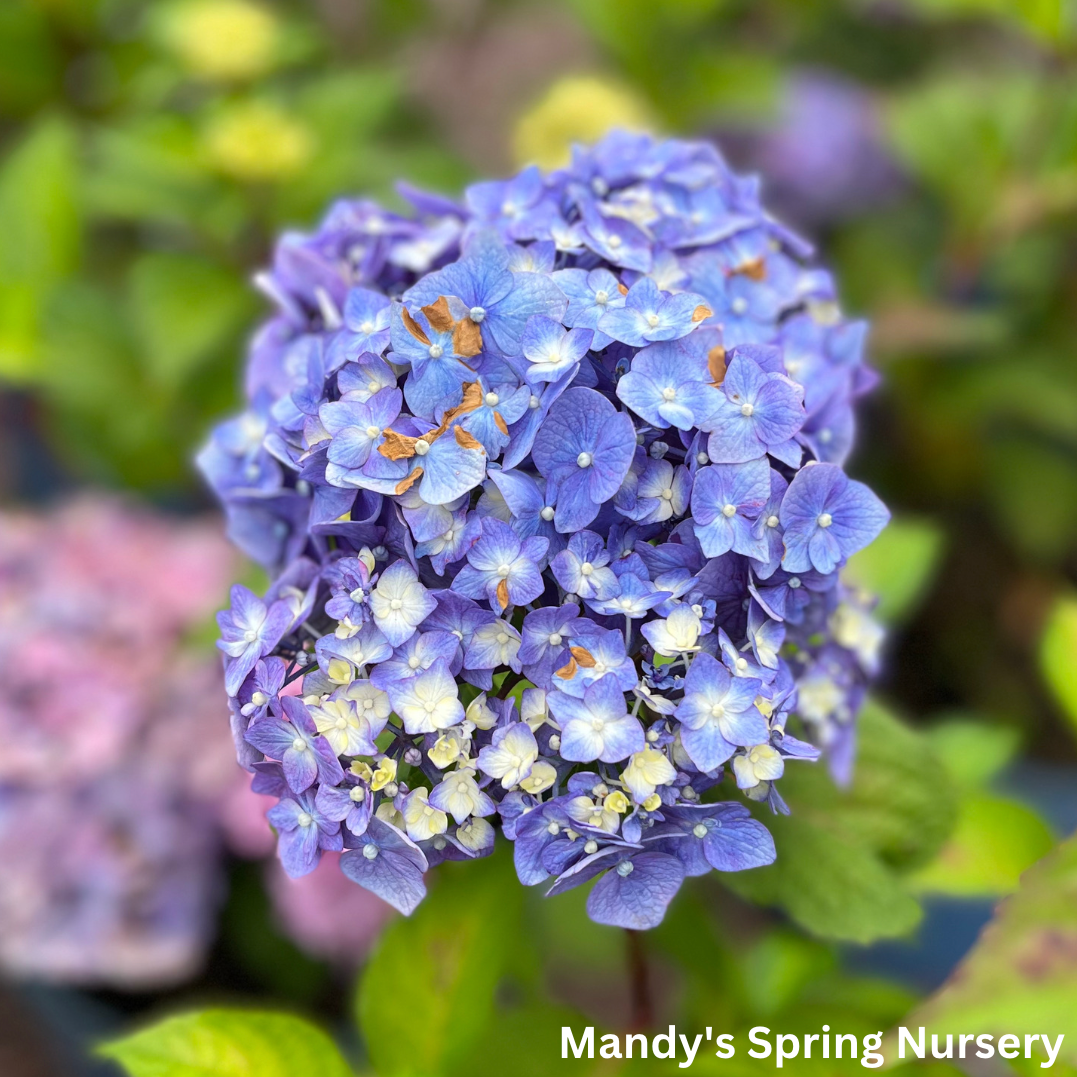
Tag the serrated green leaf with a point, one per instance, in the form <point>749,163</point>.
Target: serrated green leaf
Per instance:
<point>1021,977</point>
<point>1058,655</point>
<point>898,566</point>
<point>427,995</point>
<point>229,1043</point>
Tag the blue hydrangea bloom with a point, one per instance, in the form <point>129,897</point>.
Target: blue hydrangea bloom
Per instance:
<point>550,485</point>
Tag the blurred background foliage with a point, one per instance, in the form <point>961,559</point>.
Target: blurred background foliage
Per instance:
<point>150,152</point>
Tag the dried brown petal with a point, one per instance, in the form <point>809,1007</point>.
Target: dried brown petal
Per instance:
<point>701,312</point>
<point>397,446</point>
<point>413,327</point>
<point>583,656</point>
<point>622,289</point>
<point>756,269</point>
<point>466,338</point>
<point>499,422</point>
<point>464,439</point>
<point>566,673</point>
<point>716,364</point>
<point>503,593</point>
<point>437,314</point>
<point>408,481</point>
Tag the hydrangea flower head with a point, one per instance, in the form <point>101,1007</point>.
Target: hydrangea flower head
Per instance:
<point>552,485</point>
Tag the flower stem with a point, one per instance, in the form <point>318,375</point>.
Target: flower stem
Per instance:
<point>642,1010</point>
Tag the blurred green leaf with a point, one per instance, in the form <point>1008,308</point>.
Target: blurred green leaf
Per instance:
<point>994,842</point>
<point>29,60</point>
<point>426,997</point>
<point>838,852</point>
<point>229,1043</point>
<point>972,751</point>
<point>183,308</point>
<point>898,566</point>
<point>1021,977</point>
<point>1058,655</point>
<point>40,225</point>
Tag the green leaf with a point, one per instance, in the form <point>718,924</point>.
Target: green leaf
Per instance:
<point>1058,655</point>
<point>183,309</point>
<point>426,997</point>
<point>898,566</point>
<point>40,225</point>
<point>841,851</point>
<point>994,842</point>
<point>229,1043</point>
<point>972,751</point>
<point>1021,977</point>
<point>831,887</point>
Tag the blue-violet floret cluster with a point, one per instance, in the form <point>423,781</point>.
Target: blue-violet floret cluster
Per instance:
<point>551,487</point>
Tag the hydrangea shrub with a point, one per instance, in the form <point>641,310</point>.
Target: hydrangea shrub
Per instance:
<point>551,486</point>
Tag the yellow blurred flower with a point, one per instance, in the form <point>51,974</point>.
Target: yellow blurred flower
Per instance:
<point>257,141</point>
<point>580,108</point>
<point>222,39</point>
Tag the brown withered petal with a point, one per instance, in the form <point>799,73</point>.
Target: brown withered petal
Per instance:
<point>437,314</point>
<point>622,289</point>
<point>408,481</point>
<point>413,327</point>
<point>566,673</point>
<point>701,312</point>
<point>716,364</point>
<point>466,338</point>
<point>583,656</point>
<point>499,422</point>
<point>503,593</point>
<point>472,399</point>
<point>397,446</point>
<point>756,269</point>
<point>464,439</point>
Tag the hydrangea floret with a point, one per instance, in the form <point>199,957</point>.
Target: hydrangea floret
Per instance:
<point>551,486</point>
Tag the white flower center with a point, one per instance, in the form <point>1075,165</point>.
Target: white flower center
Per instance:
<point>304,819</point>
<point>413,662</point>
<point>624,868</point>
<point>533,402</point>
<point>825,519</point>
<point>717,711</point>
<point>491,399</point>
<point>602,297</point>
<point>590,847</point>
<point>584,459</point>
<point>614,240</point>
<point>502,638</point>
<point>299,745</point>
<point>555,639</point>
<point>739,305</point>
<point>699,830</point>
<point>476,314</point>
<point>422,447</point>
<point>746,410</point>
<point>729,511</point>
<point>794,582</point>
<point>436,351</point>
<point>396,604</point>
<point>586,568</point>
<point>666,495</point>
<point>547,513</point>
<point>652,320</point>
<point>372,431</point>
<point>772,521</point>
<point>370,851</point>
<point>669,393</point>
<point>503,570</point>
<point>367,327</point>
